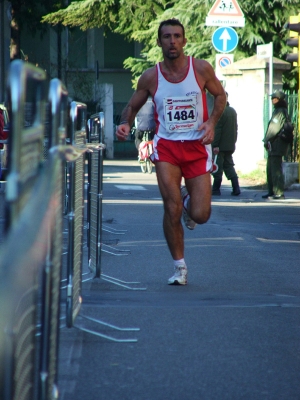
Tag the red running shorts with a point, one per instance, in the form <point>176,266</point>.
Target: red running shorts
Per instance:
<point>191,156</point>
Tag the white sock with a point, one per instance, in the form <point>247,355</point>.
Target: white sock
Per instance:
<point>180,262</point>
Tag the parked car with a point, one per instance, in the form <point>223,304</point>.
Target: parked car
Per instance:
<point>3,144</point>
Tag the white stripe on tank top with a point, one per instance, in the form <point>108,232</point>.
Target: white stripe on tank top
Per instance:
<point>180,107</point>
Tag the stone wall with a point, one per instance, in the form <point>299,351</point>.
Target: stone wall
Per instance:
<point>291,174</point>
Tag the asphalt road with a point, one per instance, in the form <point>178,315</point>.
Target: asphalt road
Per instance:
<point>232,333</point>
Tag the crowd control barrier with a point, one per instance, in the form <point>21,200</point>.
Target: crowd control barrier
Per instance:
<point>27,91</point>
<point>95,186</point>
<point>30,257</point>
<point>75,211</point>
<point>94,151</point>
<point>95,225</point>
<point>45,168</point>
<point>52,272</point>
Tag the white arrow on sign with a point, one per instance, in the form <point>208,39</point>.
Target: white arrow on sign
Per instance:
<point>225,37</point>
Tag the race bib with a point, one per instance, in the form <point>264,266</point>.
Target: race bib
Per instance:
<point>180,113</point>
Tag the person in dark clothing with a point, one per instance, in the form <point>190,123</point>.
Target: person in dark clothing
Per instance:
<point>276,147</point>
<point>224,146</point>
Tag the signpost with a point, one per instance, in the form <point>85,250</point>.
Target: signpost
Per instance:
<point>225,13</point>
<point>225,39</point>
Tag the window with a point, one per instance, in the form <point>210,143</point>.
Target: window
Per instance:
<point>77,57</point>
<point>116,50</point>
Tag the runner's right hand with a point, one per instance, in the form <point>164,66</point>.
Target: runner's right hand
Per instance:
<point>122,131</point>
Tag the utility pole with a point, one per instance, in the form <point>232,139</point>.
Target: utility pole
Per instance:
<point>294,27</point>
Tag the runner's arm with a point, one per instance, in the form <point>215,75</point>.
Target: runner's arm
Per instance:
<point>137,100</point>
<point>210,82</point>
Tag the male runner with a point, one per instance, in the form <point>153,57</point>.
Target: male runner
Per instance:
<point>184,131</point>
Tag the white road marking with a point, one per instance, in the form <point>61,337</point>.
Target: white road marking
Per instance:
<point>130,187</point>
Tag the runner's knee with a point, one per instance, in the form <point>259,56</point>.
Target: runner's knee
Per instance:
<point>173,210</point>
<point>201,216</point>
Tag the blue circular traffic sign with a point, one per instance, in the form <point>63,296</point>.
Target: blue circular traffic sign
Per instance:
<point>225,39</point>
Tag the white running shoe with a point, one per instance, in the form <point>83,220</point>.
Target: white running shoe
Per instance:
<point>179,277</point>
<point>189,223</point>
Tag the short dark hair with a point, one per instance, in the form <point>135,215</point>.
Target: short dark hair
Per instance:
<point>171,21</point>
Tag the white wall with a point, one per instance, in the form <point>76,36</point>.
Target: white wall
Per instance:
<point>246,82</point>
<point>246,96</point>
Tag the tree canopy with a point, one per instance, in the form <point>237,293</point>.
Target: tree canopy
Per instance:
<point>123,16</point>
<point>138,20</point>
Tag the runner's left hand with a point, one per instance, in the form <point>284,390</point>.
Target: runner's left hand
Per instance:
<point>208,134</point>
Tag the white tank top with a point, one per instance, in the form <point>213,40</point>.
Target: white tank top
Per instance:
<point>180,107</point>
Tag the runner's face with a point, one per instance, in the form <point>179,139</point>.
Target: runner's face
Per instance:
<point>171,41</point>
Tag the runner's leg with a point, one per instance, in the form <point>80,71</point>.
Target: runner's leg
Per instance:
<point>169,179</point>
<point>199,205</point>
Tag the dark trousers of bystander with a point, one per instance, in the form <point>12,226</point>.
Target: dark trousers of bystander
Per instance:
<point>275,176</point>
<point>225,164</point>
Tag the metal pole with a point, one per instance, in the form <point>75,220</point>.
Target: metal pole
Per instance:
<point>89,156</point>
<point>100,195</point>
<point>298,66</point>
<point>270,79</point>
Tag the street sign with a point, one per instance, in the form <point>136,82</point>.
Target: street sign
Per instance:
<point>264,50</point>
<point>222,61</point>
<point>225,13</point>
<point>225,39</point>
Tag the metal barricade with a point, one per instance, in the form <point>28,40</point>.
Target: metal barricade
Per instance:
<point>95,226</point>
<point>52,273</point>
<point>95,186</point>
<point>31,254</point>
<point>29,335</point>
<point>31,273</point>
<point>75,212</point>
<point>27,86</point>
<point>94,151</point>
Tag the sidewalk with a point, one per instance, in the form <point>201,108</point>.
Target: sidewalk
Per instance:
<point>293,192</point>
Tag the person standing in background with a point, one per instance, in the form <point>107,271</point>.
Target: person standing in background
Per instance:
<point>276,147</point>
<point>224,146</point>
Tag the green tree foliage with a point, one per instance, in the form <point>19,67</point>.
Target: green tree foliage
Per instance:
<point>138,20</point>
<point>122,16</point>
